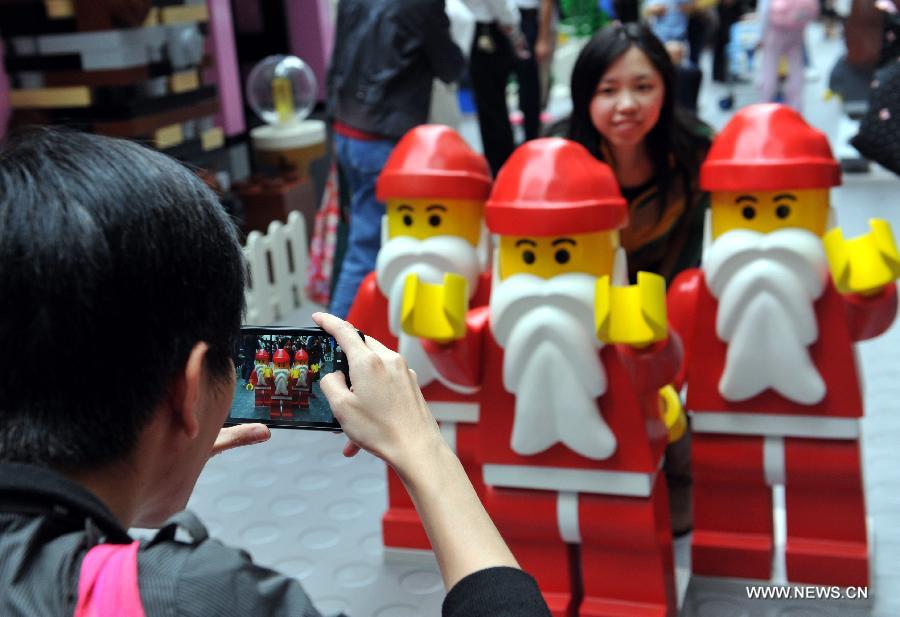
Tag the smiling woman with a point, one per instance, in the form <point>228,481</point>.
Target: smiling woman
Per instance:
<point>624,114</point>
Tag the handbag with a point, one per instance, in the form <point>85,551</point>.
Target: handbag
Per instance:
<point>879,132</point>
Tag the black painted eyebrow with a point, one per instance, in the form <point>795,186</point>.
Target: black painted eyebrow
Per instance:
<point>563,241</point>
<point>405,207</point>
<point>436,207</point>
<point>526,241</point>
<point>749,198</point>
<point>785,196</point>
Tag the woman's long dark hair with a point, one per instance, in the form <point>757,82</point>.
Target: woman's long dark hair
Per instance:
<point>676,144</point>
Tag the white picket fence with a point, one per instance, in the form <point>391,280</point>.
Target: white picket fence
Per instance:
<point>277,262</point>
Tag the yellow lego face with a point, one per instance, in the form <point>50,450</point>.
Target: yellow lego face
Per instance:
<point>766,211</point>
<point>547,257</point>
<point>425,218</point>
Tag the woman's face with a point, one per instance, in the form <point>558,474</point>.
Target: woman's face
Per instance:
<point>627,100</point>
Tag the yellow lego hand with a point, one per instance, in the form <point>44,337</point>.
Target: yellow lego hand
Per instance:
<point>249,387</point>
<point>672,413</point>
<point>634,315</point>
<point>435,312</point>
<point>863,265</point>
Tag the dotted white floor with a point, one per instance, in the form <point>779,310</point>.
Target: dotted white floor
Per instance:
<point>297,505</point>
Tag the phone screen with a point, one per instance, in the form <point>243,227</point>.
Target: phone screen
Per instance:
<point>279,371</point>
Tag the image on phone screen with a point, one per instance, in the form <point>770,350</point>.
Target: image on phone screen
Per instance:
<point>279,371</point>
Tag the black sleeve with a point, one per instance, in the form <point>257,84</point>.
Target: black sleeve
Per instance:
<point>496,592</point>
<point>197,580</point>
<point>433,26</point>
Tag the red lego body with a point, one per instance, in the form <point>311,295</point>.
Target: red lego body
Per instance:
<point>616,509</point>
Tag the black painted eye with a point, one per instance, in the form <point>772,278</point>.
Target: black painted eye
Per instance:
<point>562,256</point>
<point>783,212</point>
<point>749,213</point>
<point>528,257</point>
<point>434,220</point>
<point>407,220</point>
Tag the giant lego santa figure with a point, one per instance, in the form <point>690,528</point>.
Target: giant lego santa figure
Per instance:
<point>569,369</point>
<point>434,187</point>
<point>771,373</point>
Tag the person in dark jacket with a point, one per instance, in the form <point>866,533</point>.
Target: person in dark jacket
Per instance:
<point>386,55</point>
<point>103,239</point>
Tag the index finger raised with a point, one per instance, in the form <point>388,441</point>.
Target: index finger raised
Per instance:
<point>343,332</point>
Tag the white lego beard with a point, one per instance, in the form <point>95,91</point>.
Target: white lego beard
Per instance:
<point>767,286</point>
<point>260,374</point>
<point>281,377</point>
<point>430,259</point>
<point>551,363</point>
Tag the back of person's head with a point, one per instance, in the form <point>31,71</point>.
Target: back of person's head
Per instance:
<point>116,260</point>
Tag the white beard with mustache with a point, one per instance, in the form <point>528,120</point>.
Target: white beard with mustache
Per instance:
<point>767,285</point>
<point>430,259</point>
<point>282,376</point>
<point>551,363</point>
<point>261,375</point>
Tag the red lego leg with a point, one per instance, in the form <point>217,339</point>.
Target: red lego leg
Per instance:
<point>827,542</point>
<point>733,518</point>
<point>304,399</point>
<point>627,563</point>
<point>528,522</point>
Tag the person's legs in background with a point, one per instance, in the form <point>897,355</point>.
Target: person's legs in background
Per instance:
<point>528,78</point>
<point>361,162</point>
<point>696,34</point>
<point>768,67</point>
<point>729,12</point>
<point>796,72</point>
<point>489,66</point>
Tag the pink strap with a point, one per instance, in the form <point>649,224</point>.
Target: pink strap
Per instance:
<point>108,585</point>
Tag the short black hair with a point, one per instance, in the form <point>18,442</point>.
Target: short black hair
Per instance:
<point>677,144</point>
<point>116,260</point>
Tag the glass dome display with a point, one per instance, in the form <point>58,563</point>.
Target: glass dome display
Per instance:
<point>282,90</point>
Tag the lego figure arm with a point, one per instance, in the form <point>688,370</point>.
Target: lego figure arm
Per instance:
<point>459,361</point>
<point>870,316</point>
<point>864,270</point>
<point>654,366</point>
<point>681,303</point>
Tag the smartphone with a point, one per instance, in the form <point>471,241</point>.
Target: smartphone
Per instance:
<point>278,375</point>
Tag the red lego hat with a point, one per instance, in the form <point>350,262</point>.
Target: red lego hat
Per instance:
<point>768,147</point>
<point>431,161</point>
<point>301,356</point>
<point>281,357</point>
<point>262,355</point>
<point>554,186</point>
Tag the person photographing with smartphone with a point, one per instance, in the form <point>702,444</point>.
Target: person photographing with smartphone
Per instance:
<point>104,240</point>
